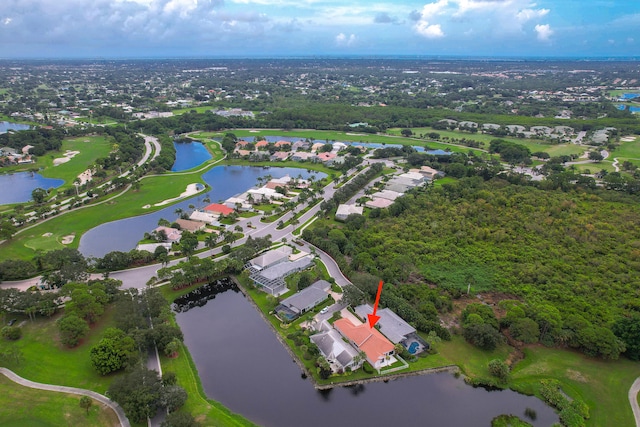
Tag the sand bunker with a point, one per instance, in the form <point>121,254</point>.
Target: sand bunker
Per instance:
<point>85,177</point>
<point>146,206</point>
<point>47,235</point>
<point>67,156</point>
<point>190,191</point>
<point>628,139</point>
<point>68,239</point>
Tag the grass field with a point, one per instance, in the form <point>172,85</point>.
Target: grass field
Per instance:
<point>90,148</point>
<point>603,385</point>
<point>21,406</point>
<point>628,150</point>
<point>47,361</point>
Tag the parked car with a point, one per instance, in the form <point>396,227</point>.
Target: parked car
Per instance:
<point>12,321</point>
<point>324,310</point>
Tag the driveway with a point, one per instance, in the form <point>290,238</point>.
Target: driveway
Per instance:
<point>633,400</point>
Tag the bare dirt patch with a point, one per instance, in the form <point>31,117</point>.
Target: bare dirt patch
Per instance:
<point>576,376</point>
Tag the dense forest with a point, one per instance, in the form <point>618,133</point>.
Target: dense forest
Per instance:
<point>572,255</point>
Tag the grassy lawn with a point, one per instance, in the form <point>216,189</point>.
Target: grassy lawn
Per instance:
<point>603,385</point>
<point>473,361</point>
<point>596,167</point>
<point>628,150</point>
<point>47,361</point>
<point>22,406</point>
<point>90,148</point>
<point>533,144</point>
<point>153,190</point>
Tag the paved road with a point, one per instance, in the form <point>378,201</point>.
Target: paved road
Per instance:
<point>633,400</point>
<point>124,421</point>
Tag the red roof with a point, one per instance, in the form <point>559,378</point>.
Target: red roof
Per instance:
<point>281,143</point>
<point>367,339</point>
<point>262,143</point>
<point>218,208</point>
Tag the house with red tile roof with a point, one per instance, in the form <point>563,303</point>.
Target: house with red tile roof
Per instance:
<point>378,349</point>
<point>219,209</point>
<point>262,144</point>
<point>281,144</point>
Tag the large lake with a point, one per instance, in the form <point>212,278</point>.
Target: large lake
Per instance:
<point>225,181</point>
<point>189,155</point>
<point>242,364</point>
<point>5,126</point>
<point>17,187</point>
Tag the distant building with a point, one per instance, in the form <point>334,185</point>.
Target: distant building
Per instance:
<point>173,234</point>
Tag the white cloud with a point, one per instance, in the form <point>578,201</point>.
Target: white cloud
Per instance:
<point>500,18</point>
<point>6,21</point>
<point>343,40</point>
<point>544,32</point>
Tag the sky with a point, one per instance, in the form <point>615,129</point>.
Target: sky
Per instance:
<point>280,28</point>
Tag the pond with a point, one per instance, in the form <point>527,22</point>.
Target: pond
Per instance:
<point>17,187</point>
<point>6,126</point>
<point>364,144</point>
<point>242,364</point>
<point>189,155</point>
<point>225,181</point>
<point>632,109</point>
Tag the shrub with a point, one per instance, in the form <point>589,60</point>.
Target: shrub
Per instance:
<point>12,333</point>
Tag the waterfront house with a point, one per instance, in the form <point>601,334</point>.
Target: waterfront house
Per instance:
<point>299,303</point>
<point>378,349</point>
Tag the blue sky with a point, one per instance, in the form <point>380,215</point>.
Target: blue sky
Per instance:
<point>247,28</point>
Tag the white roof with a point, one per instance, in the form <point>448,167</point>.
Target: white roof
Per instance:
<point>346,210</point>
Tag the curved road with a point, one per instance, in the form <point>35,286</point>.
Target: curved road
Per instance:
<point>124,421</point>
<point>633,400</point>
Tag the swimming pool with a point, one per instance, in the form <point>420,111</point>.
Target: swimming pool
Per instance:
<point>414,347</point>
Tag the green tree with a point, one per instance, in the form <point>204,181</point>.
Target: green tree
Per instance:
<point>72,328</point>
<point>180,419</point>
<point>85,403</point>
<point>499,369</point>
<point>139,392</point>
<point>525,330</point>
<point>628,330</point>
<point>115,351</point>
<point>11,333</point>
<point>483,336</point>
<point>38,195</point>
<point>173,397</point>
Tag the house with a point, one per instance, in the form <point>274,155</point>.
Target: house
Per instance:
<point>429,173</point>
<point>264,193</point>
<point>242,144</point>
<point>243,153</point>
<point>151,247</point>
<point>279,156</point>
<point>378,349</point>
<point>316,146</point>
<point>271,279</point>
<point>387,194</point>
<point>190,225</point>
<point>378,203</point>
<point>338,353</point>
<point>238,203</point>
<point>326,157</point>
<point>345,210</point>
<point>219,209</point>
<point>270,258</point>
<point>208,217</point>
<point>304,300</point>
<point>339,146</point>
<point>301,156</point>
<point>282,145</point>
<point>301,145</point>
<point>262,145</point>
<point>391,325</point>
<point>173,234</point>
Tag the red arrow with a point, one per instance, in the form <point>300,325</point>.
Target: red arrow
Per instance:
<point>373,319</point>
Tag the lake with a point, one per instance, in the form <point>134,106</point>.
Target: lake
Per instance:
<point>225,181</point>
<point>5,126</point>
<point>242,364</point>
<point>17,187</point>
<point>632,109</point>
<point>189,155</point>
